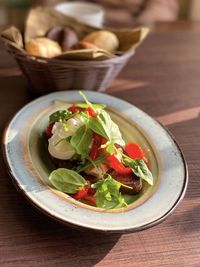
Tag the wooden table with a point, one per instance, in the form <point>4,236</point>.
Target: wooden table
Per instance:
<point>163,79</point>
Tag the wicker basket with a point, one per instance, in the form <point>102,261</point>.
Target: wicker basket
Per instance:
<point>80,69</point>
<point>46,75</point>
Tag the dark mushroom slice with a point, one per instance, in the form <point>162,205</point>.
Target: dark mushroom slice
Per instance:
<point>60,163</point>
<point>128,179</point>
<point>91,178</point>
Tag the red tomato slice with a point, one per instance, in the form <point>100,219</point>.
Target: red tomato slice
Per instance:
<point>81,193</point>
<point>86,193</point>
<point>117,165</point>
<point>48,130</point>
<point>91,112</point>
<point>98,140</point>
<point>74,109</point>
<point>134,151</point>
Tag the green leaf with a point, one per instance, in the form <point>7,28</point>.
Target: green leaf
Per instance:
<point>108,195</point>
<point>81,140</point>
<point>111,128</point>
<point>84,117</point>
<point>60,116</point>
<point>104,126</point>
<point>111,148</point>
<point>101,159</point>
<point>85,105</point>
<point>66,180</point>
<point>81,105</point>
<point>85,99</point>
<point>139,168</point>
<point>96,126</point>
<point>67,139</point>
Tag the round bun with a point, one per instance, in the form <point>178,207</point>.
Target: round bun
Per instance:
<point>103,39</point>
<point>66,37</point>
<point>83,45</point>
<point>43,47</point>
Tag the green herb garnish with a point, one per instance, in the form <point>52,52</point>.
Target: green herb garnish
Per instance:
<point>67,181</point>
<point>81,140</point>
<point>60,116</point>
<point>108,195</point>
<point>101,159</point>
<point>139,168</point>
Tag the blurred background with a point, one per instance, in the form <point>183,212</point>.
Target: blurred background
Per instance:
<point>131,12</point>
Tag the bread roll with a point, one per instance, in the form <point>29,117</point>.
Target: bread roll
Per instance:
<point>66,37</point>
<point>103,39</point>
<point>43,47</point>
<point>83,45</point>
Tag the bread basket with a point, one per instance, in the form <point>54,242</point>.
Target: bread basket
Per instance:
<point>83,70</point>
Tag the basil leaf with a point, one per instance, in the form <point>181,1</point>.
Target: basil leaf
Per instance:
<point>140,169</point>
<point>60,116</point>
<point>111,128</point>
<point>111,148</point>
<point>108,195</point>
<point>66,180</point>
<point>96,126</point>
<point>103,125</point>
<point>81,140</point>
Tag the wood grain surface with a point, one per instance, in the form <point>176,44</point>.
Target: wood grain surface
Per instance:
<point>163,79</point>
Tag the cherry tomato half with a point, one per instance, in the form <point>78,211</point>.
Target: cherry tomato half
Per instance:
<point>134,151</point>
<point>117,165</point>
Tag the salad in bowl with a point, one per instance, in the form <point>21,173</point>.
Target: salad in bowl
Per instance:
<point>94,164</point>
<point>108,168</point>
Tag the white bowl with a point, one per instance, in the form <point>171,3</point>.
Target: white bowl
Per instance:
<point>89,13</point>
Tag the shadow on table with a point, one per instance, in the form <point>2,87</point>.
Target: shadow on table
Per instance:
<point>37,232</point>
<point>191,216</point>
<point>187,219</point>
<point>56,240</point>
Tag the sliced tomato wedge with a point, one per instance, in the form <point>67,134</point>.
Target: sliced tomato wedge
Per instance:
<point>75,109</point>
<point>48,130</point>
<point>117,165</point>
<point>91,112</point>
<point>134,151</point>
<point>81,193</point>
<point>98,140</point>
<point>86,193</point>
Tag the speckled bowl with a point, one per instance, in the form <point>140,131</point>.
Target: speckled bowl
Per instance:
<point>29,165</point>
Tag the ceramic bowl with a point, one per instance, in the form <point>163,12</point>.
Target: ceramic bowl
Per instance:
<point>29,165</point>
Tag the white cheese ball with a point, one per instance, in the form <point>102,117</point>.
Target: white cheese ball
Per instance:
<point>61,149</point>
<point>59,130</point>
<point>74,124</point>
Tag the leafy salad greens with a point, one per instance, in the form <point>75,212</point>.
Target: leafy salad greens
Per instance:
<point>104,168</point>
